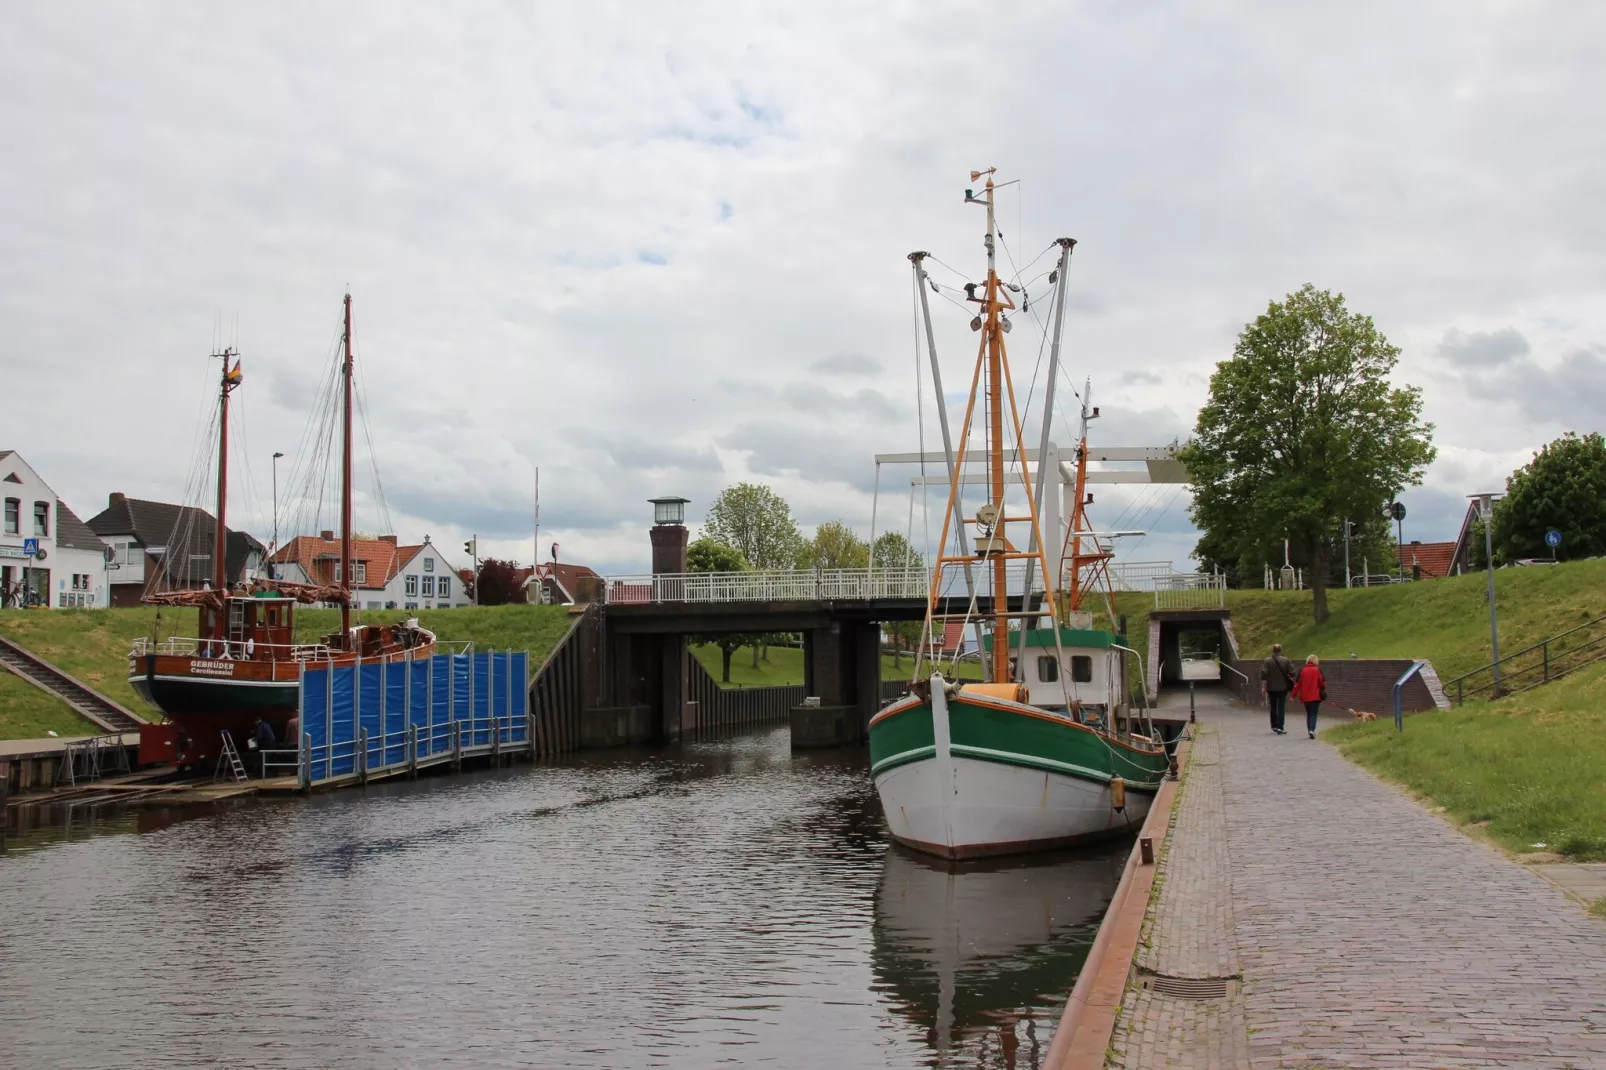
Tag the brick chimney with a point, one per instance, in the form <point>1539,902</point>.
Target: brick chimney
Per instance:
<point>388,538</point>
<point>327,536</point>
<point>115,498</point>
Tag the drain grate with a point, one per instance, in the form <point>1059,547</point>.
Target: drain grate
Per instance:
<point>1189,987</point>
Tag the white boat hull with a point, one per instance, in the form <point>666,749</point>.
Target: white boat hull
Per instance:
<point>968,808</point>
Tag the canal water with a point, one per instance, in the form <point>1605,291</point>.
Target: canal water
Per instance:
<point>719,904</point>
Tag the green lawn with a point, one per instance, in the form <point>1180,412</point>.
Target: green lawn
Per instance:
<point>785,666</point>
<point>93,644</point>
<point>1533,766</point>
<point>1446,621</point>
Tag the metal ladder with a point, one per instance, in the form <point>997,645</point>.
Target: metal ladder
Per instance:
<point>228,761</point>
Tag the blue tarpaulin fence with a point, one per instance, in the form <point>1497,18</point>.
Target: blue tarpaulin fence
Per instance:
<point>372,717</point>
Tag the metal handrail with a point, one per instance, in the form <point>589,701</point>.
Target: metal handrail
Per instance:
<point>1399,693</point>
<point>1545,666</point>
<point>786,585</point>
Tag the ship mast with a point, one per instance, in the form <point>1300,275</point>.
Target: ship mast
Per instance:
<point>345,489</point>
<point>992,546</point>
<point>230,379</point>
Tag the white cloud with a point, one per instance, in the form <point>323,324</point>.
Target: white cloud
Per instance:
<point>662,248</point>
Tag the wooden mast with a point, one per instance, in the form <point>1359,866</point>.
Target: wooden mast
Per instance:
<point>995,458</point>
<point>220,544</point>
<point>345,491</point>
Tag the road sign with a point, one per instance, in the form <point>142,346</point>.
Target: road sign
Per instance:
<point>1552,538</point>
<point>1397,510</point>
<point>30,547</point>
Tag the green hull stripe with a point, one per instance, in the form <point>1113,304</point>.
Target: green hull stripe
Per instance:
<point>904,758</point>
<point>1081,772</point>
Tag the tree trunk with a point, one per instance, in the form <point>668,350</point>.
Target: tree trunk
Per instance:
<point>726,652</point>
<point>1318,580</point>
<point>755,654</point>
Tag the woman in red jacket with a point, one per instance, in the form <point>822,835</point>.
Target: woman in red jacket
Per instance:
<point>1310,688</point>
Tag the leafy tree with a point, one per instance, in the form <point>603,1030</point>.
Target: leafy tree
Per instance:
<point>1302,429</point>
<point>497,584</point>
<point>710,555</point>
<point>893,551</point>
<point>1563,487</point>
<point>834,546</point>
<point>756,521</point>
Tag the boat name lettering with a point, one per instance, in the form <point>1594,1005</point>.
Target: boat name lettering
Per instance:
<point>212,668</point>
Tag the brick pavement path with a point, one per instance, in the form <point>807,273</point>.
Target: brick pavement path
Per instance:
<point>1373,934</point>
<point>1369,932</point>
<point>1188,933</point>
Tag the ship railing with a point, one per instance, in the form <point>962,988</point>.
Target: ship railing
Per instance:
<point>236,650</point>
<point>806,585</point>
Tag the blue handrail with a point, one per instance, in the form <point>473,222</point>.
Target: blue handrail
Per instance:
<point>1399,694</point>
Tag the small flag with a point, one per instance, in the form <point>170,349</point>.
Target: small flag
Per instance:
<point>233,377</point>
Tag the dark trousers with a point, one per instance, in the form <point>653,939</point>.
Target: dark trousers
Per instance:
<point>1279,708</point>
<point>1310,715</point>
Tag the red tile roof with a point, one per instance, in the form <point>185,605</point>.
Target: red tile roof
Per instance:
<point>318,556</point>
<point>1435,558</point>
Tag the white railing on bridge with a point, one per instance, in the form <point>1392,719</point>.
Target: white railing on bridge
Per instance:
<point>1140,575</point>
<point>1190,590</point>
<point>807,585</point>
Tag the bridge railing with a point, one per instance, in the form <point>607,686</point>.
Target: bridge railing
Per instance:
<point>808,585</point>
<point>1190,590</point>
<point>781,585</point>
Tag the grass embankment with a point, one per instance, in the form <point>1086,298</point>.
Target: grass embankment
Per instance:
<point>1533,765</point>
<point>93,645</point>
<point>1529,769</point>
<point>784,666</point>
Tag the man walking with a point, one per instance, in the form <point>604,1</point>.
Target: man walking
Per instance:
<point>1276,678</point>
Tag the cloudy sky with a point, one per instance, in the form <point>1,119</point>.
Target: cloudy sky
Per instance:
<point>660,248</point>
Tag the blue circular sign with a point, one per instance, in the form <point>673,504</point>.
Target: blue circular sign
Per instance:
<point>1552,538</point>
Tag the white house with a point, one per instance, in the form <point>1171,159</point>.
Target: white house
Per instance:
<point>47,555</point>
<point>386,575</point>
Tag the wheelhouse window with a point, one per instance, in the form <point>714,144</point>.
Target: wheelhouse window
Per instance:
<point>1082,668</point>
<point>41,518</point>
<point>13,516</point>
<point>1048,669</point>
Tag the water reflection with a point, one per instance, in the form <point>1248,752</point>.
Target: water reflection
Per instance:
<point>722,903</point>
<point>981,955</point>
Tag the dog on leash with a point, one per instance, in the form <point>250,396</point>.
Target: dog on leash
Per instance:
<point>1362,715</point>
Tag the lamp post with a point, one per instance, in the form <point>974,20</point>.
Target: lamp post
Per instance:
<point>1486,512</point>
<point>272,573</point>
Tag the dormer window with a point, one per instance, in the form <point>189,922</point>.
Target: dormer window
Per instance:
<point>359,571</point>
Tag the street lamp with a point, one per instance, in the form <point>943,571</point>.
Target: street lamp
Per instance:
<point>272,575</point>
<point>1486,512</point>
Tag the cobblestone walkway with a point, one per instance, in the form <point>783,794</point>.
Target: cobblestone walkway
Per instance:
<point>1367,931</point>
<point>1188,935</point>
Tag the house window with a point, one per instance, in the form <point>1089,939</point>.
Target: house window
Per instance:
<point>13,516</point>
<point>1082,668</point>
<point>337,571</point>
<point>373,605</point>
<point>429,564</point>
<point>359,569</point>
<point>411,586</point>
<point>429,586</point>
<point>443,588</point>
<point>1048,670</point>
<point>411,605</point>
<point>41,518</point>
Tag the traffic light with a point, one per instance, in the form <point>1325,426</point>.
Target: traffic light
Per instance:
<point>471,548</point>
